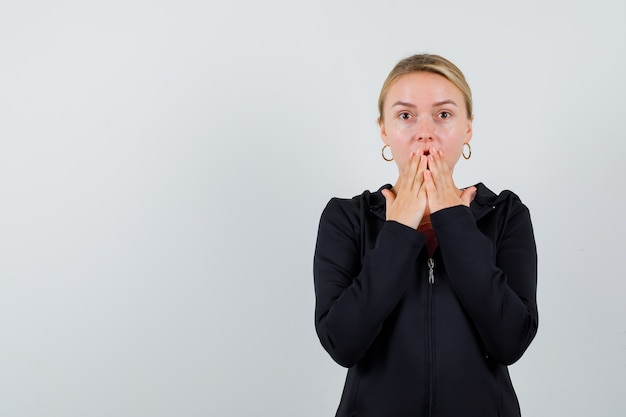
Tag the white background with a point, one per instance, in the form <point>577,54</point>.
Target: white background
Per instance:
<point>163,167</point>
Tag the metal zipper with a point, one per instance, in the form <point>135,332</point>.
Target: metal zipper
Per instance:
<point>431,273</point>
<point>431,336</point>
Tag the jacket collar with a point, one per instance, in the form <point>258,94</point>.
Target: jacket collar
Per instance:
<point>484,201</point>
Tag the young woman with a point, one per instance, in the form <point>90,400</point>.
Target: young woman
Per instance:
<point>426,291</point>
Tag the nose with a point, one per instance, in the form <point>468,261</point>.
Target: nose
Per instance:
<point>425,129</point>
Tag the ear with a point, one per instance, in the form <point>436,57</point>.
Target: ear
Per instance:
<point>468,132</point>
<point>383,132</point>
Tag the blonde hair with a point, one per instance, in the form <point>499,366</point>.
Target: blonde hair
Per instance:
<point>428,63</point>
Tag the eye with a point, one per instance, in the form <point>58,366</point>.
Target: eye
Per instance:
<point>405,115</point>
<point>444,115</point>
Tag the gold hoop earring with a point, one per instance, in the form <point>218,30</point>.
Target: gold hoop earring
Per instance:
<point>383,154</point>
<point>469,151</point>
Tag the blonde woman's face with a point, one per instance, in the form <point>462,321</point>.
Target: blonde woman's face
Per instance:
<point>423,110</point>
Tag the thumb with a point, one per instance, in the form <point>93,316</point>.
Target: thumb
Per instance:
<point>468,195</point>
<point>390,197</point>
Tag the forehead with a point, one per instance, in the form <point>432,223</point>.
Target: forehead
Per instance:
<point>424,85</point>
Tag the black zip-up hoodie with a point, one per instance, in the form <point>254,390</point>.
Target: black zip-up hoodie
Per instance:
<point>426,336</point>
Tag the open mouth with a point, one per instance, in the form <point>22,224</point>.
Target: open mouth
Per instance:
<point>426,153</point>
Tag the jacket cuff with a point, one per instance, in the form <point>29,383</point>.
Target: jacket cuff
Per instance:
<point>450,214</point>
<point>404,232</point>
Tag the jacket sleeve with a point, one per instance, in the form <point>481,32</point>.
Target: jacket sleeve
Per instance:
<point>355,293</point>
<point>496,288</point>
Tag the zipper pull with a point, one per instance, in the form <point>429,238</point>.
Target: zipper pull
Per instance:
<point>431,273</point>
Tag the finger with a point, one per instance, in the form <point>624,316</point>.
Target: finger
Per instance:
<point>413,170</point>
<point>422,167</point>
<point>400,183</point>
<point>467,196</point>
<point>430,187</point>
<point>422,196</point>
<point>390,197</point>
<point>443,165</point>
<point>405,181</point>
<point>442,176</point>
<point>434,164</point>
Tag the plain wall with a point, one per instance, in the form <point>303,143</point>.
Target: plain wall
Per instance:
<point>163,167</point>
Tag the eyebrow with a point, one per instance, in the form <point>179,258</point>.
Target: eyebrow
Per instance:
<point>441,103</point>
<point>437,104</point>
<point>403,104</point>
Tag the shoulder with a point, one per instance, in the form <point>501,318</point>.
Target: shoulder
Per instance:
<point>486,197</point>
<point>366,202</point>
<point>506,208</point>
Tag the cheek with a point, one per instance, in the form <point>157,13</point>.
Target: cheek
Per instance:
<point>452,163</point>
<point>451,152</point>
<point>453,155</point>
<point>400,161</point>
<point>401,158</point>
